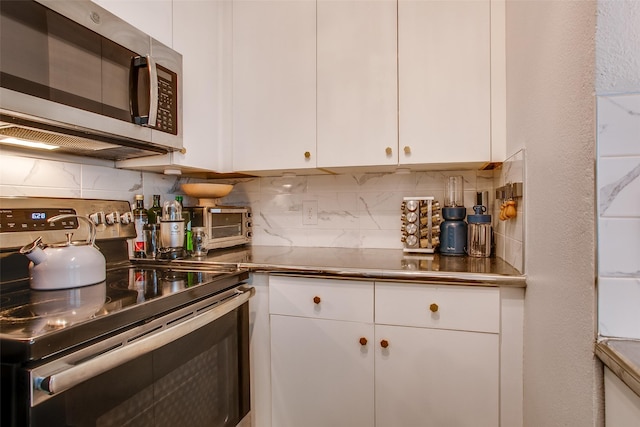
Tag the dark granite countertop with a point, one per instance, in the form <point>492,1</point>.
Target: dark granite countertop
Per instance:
<point>378,264</point>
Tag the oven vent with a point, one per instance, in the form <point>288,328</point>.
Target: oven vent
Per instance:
<point>52,138</point>
<point>72,139</point>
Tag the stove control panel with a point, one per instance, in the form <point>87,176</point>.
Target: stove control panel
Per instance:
<point>420,224</point>
<point>23,219</point>
<point>17,220</point>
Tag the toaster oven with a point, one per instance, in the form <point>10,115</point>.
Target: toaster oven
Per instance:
<point>225,226</point>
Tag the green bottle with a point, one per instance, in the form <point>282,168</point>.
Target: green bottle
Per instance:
<point>186,215</point>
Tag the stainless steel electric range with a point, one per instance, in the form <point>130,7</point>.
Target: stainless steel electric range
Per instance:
<point>152,345</point>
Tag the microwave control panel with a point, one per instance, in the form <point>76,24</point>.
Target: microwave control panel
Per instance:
<point>167,120</point>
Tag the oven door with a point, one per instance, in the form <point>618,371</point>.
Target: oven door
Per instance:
<point>189,370</point>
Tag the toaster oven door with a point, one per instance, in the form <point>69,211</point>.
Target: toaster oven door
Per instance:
<point>228,227</point>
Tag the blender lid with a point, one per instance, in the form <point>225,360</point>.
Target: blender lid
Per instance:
<point>479,217</point>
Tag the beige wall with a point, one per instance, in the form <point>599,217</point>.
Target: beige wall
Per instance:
<point>551,114</point>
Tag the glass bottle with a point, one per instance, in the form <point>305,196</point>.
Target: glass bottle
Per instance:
<point>140,218</point>
<point>155,212</point>
<point>186,215</point>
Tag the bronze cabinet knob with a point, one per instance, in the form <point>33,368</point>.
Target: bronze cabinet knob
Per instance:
<point>407,149</point>
<point>389,151</point>
<point>316,299</point>
<point>363,341</point>
<point>433,307</point>
<point>384,343</point>
<point>307,155</point>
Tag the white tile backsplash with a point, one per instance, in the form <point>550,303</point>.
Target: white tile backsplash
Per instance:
<point>618,300</point>
<point>360,210</point>
<point>619,186</point>
<point>46,175</point>
<point>22,175</point>
<point>509,234</point>
<point>618,181</point>
<point>619,247</point>
<point>619,125</point>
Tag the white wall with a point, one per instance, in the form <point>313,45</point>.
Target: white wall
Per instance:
<point>550,113</point>
<point>618,102</point>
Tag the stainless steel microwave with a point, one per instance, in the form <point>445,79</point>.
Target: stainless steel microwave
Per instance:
<point>225,226</point>
<point>76,77</point>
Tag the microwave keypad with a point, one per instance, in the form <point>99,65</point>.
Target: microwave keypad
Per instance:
<point>167,105</point>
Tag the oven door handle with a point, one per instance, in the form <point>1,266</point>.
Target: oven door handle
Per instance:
<point>75,374</point>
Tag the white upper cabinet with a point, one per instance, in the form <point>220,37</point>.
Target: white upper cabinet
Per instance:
<point>154,17</point>
<point>357,83</point>
<point>202,33</point>
<point>444,81</point>
<point>274,85</point>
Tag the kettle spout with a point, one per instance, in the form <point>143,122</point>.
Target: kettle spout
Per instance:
<point>34,251</point>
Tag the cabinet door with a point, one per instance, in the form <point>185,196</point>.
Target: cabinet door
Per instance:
<point>274,85</point>
<point>434,377</point>
<point>154,17</point>
<point>321,375</point>
<point>202,35</point>
<point>444,81</point>
<point>357,83</point>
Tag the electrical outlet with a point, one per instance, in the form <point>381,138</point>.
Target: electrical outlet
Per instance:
<point>310,212</point>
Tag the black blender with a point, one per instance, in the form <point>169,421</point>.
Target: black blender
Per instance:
<point>453,230</point>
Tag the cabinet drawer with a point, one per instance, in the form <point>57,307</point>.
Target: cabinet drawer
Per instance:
<point>321,298</point>
<point>438,306</point>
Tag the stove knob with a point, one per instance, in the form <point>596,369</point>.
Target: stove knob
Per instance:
<point>249,224</point>
<point>97,218</point>
<point>126,218</point>
<point>112,218</point>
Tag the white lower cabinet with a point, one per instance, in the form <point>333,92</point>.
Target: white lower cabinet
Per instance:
<point>435,377</point>
<point>321,375</point>
<point>430,356</point>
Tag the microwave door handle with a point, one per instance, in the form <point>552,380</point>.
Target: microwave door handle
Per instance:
<point>75,374</point>
<point>153,91</point>
<point>148,63</point>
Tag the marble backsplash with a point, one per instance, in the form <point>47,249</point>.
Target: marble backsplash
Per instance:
<point>618,181</point>
<point>509,234</point>
<point>353,210</point>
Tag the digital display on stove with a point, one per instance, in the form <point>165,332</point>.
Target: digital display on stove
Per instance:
<point>16,220</point>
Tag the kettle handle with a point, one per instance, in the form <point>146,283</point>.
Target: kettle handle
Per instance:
<point>92,226</point>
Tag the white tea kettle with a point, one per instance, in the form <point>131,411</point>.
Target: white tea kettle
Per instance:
<point>67,264</point>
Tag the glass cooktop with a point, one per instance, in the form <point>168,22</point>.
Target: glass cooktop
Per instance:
<point>36,323</point>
